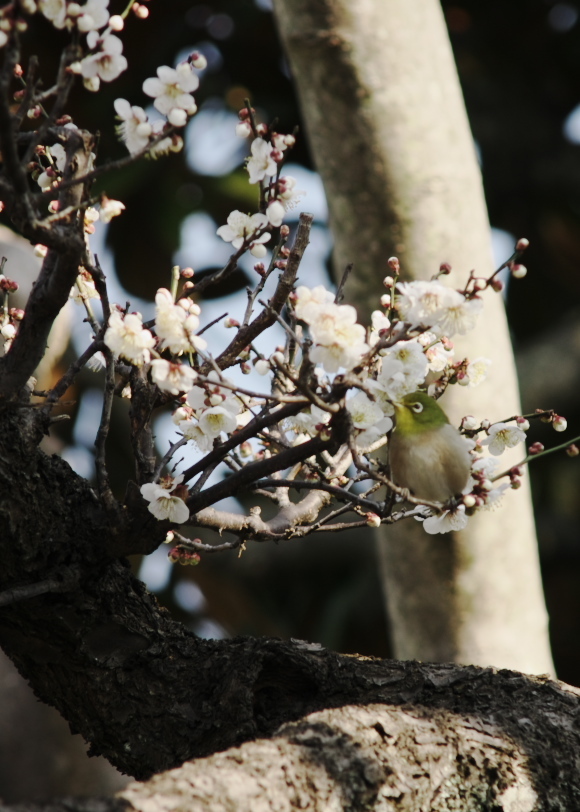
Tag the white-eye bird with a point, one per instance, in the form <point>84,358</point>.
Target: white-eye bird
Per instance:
<point>428,456</point>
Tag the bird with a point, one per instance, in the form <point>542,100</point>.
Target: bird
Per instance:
<point>427,455</point>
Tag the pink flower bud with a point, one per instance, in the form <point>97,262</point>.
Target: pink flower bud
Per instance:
<point>260,268</point>
<point>246,449</point>
<point>246,368</point>
<point>479,284</point>
<point>573,450</point>
<point>393,264</point>
<point>522,244</point>
<point>231,323</point>
<point>141,11</point>
<point>523,424</point>
<point>388,281</point>
<point>18,71</point>
<point>187,273</point>
<point>518,271</point>
<point>497,285</point>
<point>373,520</point>
<point>284,231</point>
<point>535,448</point>
<point>445,268</point>
<point>516,483</point>
<point>188,286</point>
<point>559,423</point>
<point>516,471</point>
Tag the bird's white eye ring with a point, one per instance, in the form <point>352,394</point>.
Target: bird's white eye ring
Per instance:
<point>417,407</point>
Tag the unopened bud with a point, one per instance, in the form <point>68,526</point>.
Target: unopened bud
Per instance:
<point>516,471</point>
<point>522,244</point>
<point>231,323</point>
<point>469,500</point>
<point>373,520</point>
<point>523,424</point>
<point>116,22</point>
<point>141,11</point>
<point>187,273</point>
<point>535,448</point>
<point>388,281</point>
<point>169,537</point>
<point>386,300</point>
<point>393,264</point>
<point>188,286</point>
<point>497,285</point>
<point>518,271</point>
<point>573,450</point>
<point>40,250</point>
<point>277,358</point>
<point>479,284</point>
<point>559,423</point>
<point>284,231</point>
<point>469,422</point>
<point>246,449</point>
<point>515,483</point>
<point>445,268</point>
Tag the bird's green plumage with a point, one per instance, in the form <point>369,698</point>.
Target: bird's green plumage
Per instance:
<point>411,422</point>
<point>427,454</point>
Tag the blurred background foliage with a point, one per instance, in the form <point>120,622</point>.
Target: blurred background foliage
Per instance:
<point>519,65</point>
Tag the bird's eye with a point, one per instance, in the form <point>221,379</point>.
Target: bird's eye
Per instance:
<point>417,407</point>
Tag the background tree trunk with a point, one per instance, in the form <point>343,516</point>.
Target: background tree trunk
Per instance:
<point>391,140</point>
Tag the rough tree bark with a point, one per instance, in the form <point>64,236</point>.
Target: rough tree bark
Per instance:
<point>391,140</point>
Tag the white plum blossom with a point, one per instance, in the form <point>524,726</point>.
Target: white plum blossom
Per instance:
<point>58,155</point>
<point>476,371</point>
<point>502,436</point>
<point>309,422</point>
<point>261,163</point>
<point>161,502</point>
<point>339,340</point>
<point>308,300</point>
<point>241,228</point>
<point>216,419</point>
<point>55,11</point>
<point>275,213</point>
<point>107,62</point>
<point>438,355</point>
<point>379,322</point>
<point>175,325</point>
<point>447,521</point>
<point>368,417</point>
<point>431,304</point>
<point>126,337</point>
<point>403,369</point>
<point>109,209</point>
<point>173,88</point>
<point>172,378</point>
<point>134,129</point>
<point>287,193</point>
<point>94,15</point>
<point>83,289</point>
<point>459,317</point>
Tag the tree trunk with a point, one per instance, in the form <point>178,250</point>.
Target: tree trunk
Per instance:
<point>391,140</point>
